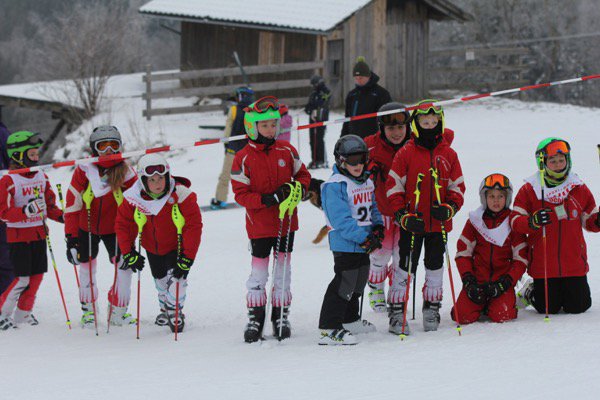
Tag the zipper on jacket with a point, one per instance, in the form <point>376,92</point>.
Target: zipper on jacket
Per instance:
<point>154,234</point>
<point>559,246</point>
<point>431,188</point>
<point>491,265</point>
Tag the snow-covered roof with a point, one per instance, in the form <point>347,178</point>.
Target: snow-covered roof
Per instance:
<point>309,15</point>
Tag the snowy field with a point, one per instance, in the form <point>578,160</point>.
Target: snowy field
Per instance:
<point>524,359</point>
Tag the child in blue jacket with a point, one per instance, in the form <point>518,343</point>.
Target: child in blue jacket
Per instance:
<point>348,199</point>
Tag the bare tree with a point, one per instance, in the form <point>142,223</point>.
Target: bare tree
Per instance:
<point>86,46</point>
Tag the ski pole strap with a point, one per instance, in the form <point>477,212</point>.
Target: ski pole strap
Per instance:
<point>88,197</point>
<point>296,196</point>
<point>118,195</point>
<point>417,191</point>
<point>177,218</point>
<point>140,220</point>
<point>436,183</point>
<point>60,197</point>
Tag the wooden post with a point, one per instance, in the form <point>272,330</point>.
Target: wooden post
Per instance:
<point>148,92</point>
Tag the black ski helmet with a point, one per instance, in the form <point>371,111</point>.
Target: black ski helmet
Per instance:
<point>316,80</point>
<point>347,146</point>
<point>397,118</point>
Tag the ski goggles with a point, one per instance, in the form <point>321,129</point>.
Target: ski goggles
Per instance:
<point>400,118</point>
<point>556,147</point>
<point>266,103</point>
<point>159,169</point>
<point>429,108</point>
<point>496,181</point>
<point>103,146</point>
<point>356,159</point>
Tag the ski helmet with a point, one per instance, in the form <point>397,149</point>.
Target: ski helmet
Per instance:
<point>150,165</point>
<point>104,137</point>
<point>263,109</point>
<point>550,147</point>
<point>316,80</point>
<point>244,94</point>
<point>496,181</point>
<point>17,145</point>
<point>425,107</point>
<point>353,150</point>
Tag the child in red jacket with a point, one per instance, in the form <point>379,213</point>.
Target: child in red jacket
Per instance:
<point>95,192</point>
<point>26,200</point>
<point>260,175</point>
<point>427,155</point>
<point>155,204</point>
<point>490,257</point>
<point>394,132</point>
<point>566,209</point>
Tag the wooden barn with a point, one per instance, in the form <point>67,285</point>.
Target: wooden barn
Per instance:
<point>393,35</point>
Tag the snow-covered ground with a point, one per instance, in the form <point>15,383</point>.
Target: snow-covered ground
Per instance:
<point>526,358</point>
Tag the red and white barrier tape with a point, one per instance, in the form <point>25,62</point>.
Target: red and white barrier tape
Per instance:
<point>161,149</point>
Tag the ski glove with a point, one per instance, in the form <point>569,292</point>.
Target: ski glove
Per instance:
<point>34,207</point>
<point>410,222</point>
<point>379,232</point>
<point>182,269</point>
<point>72,249</point>
<point>539,218</point>
<point>443,212</point>
<point>278,196</point>
<point>133,261</point>
<point>497,288</point>
<point>371,243</point>
<point>474,291</point>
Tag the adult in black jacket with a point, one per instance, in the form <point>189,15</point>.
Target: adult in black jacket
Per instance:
<point>367,97</point>
<point>318,110</point>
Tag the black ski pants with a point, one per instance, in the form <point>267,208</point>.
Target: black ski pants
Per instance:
<point>317,143</point>
<point>571,294</point>
<point>434,250</point>
<point>341,304</point>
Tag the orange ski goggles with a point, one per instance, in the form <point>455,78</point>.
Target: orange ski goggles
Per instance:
<point>496,181</point>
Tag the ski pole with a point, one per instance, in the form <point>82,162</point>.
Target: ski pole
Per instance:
<point>544,242</point>
<point>179,222</point>
<point>414,293</point>
<point>118,195</point>
<point>62,206</point>
<point>437,186</point>
<point>62,296</point>
<point>275,257</point>
<point>140,220</point>
<point>88,197</point>
<point>417,194</point>
<point>296,196</point>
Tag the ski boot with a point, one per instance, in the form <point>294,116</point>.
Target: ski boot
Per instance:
<point>286,327</point>
<point>162,319</point>
<point>121,317</point>
<point>87,319</point>
<point>431,316</point>
<point>396,315</point>
<point>171,320</point>
<point>254,328</point>
<point>377,297</point>
<point>217,205</point>
<point>25,317</point>
<point>525,294</point>
<point>360,326</point>
<point>6,323</point>
<point>337,337</point>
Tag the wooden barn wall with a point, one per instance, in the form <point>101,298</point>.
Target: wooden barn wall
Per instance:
<point>408,45</point>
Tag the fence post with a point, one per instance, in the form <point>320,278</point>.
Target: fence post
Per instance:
<point>148,92</point>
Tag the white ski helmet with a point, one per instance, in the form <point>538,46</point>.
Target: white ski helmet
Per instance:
<point>152,164</point>
<point>495,181</point>
<point>104,133</point>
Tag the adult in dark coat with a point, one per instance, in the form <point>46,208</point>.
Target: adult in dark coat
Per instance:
<point>6,269</point>
<point>318,110</point>
<point>367,97</point>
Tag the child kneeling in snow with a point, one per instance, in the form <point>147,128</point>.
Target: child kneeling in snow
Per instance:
<point>567,207</point>
<point>490,258</point>
<point>157,206</point>
<point>348,199</point>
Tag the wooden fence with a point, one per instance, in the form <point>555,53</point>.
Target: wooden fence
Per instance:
<point>187,85</point>
<point>478,69</point>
